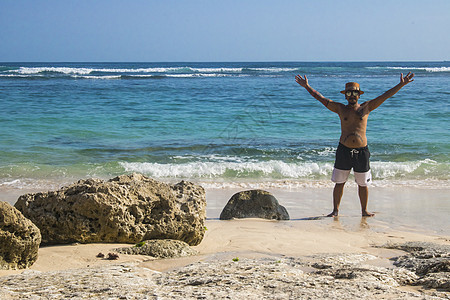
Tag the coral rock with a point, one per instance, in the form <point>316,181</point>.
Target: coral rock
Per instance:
<point>159,249</point>
<point>125,209</point>
<point>19,239</point>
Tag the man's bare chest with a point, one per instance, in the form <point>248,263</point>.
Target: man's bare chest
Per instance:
<point>353,115</point>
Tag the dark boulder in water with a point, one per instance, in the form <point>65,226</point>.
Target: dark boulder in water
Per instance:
<point>254,204</point>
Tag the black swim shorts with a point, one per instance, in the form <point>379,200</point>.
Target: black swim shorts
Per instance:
<point>356,158</point>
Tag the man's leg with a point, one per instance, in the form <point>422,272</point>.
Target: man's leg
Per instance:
<point>337,196</point>
<point>363,192</point>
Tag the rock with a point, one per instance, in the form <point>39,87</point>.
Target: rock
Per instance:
<point>355,266</point>
<point>159,249</point>
<point>423,250</point>
<point>125,209</point>
<point>431,262</point>
<point>213,278</point>
<point>440,280</point>
<point>112,256</point>
<point>254,204</point>
<point>423,266</point>
<point>19,239</point>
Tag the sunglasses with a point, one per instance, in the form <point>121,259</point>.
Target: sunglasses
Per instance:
<point>352,92</point>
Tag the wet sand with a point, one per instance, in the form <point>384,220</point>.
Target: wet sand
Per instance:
<point>413,209</point>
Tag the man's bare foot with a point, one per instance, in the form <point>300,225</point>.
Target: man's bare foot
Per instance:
<point>333,214</point>
<point>367,214</point>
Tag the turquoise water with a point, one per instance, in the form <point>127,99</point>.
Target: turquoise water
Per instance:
<point>214,122</point>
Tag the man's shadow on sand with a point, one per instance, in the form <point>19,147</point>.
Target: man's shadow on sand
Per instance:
<point>311,218</point>
<point>362,225</point>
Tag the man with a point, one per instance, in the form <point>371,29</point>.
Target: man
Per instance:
<point>352,152</point>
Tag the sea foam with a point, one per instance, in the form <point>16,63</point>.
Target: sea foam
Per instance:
<point>427,69</point>
<point>270,169</point>
<point>278,169</point>
<point>86,71</point>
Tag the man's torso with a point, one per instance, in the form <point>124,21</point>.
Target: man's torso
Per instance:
<point>353,125</point>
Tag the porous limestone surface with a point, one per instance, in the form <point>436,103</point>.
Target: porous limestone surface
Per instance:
<point>344,276</point>
<point>125,209</point>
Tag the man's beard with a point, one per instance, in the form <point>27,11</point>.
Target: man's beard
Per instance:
<point>352,101</point>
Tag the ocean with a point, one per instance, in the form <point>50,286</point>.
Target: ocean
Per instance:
<point>218,124</point>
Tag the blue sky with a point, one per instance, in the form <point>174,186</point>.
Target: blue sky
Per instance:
<point>221,30</point>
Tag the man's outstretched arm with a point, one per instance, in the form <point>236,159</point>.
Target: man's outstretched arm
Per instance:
<point>325,101</point>
<point>380,99</point>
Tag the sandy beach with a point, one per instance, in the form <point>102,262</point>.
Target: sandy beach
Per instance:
<point>307,237</point>
<point>254,242</point>
<point>245,238</point>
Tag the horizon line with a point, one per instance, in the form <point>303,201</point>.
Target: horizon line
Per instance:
<point>238,61</point>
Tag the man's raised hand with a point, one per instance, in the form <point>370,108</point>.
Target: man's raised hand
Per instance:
<point>302,81</point>
<point>407,79</point>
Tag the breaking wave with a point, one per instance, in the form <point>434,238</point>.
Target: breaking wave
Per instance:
<point>276,169</point>
<point>412,69</point>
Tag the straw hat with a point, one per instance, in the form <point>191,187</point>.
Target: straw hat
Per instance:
<point>352,86</point>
